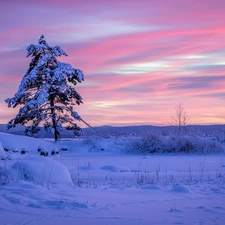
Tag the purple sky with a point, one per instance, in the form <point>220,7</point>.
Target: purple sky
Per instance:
<point>140,58</point>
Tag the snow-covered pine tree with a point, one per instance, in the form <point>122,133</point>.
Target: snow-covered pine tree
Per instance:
<point>46,94</point>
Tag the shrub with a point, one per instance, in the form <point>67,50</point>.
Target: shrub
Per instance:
<point>171,143</point>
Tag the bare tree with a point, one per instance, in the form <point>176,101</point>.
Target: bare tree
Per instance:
<point>180,117</point>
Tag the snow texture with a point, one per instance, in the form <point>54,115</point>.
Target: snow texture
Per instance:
<point>86,185</point>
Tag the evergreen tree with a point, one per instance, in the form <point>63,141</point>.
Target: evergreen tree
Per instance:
<point>46,94</point>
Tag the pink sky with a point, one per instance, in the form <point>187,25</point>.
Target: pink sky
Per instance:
<point>140,58</point>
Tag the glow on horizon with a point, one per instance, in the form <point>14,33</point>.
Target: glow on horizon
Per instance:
<point>139,59</point>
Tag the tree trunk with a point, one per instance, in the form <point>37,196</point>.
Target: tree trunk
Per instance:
<point>54,122</point>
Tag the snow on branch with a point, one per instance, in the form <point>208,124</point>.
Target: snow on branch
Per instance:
<point>45,93</point>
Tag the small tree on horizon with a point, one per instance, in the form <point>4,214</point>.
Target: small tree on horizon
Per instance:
<point>180,117</point>
<point>46,94</point>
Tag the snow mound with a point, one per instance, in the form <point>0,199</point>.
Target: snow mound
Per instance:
<point>113,168</point>
<point>41,170</point>
<point>23,142</point>
<point>217,190</point>
<point>152,187</point>
<point>180,189</point>
<point>64,204</point>
<point>88,168</point>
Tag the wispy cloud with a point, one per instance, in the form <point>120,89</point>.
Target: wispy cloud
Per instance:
<point>140,59</point>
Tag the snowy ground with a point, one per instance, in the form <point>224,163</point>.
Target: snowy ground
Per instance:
<point>97,184</point>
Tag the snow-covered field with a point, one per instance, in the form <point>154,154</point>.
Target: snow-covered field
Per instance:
<point>97,183</point>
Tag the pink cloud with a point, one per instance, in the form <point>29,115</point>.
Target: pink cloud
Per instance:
<point>139,60</point>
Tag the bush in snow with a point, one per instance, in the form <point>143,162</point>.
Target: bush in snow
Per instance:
<point>4,179</point>
<point>3,154</point>
<point>64,148</point>
<point>24,151</point>
<point>158,143</point>
<point>55,151</point>
<point>44,152</point>
<point>144,145</point>
<point>45,94</point>
<point>3,173</point>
